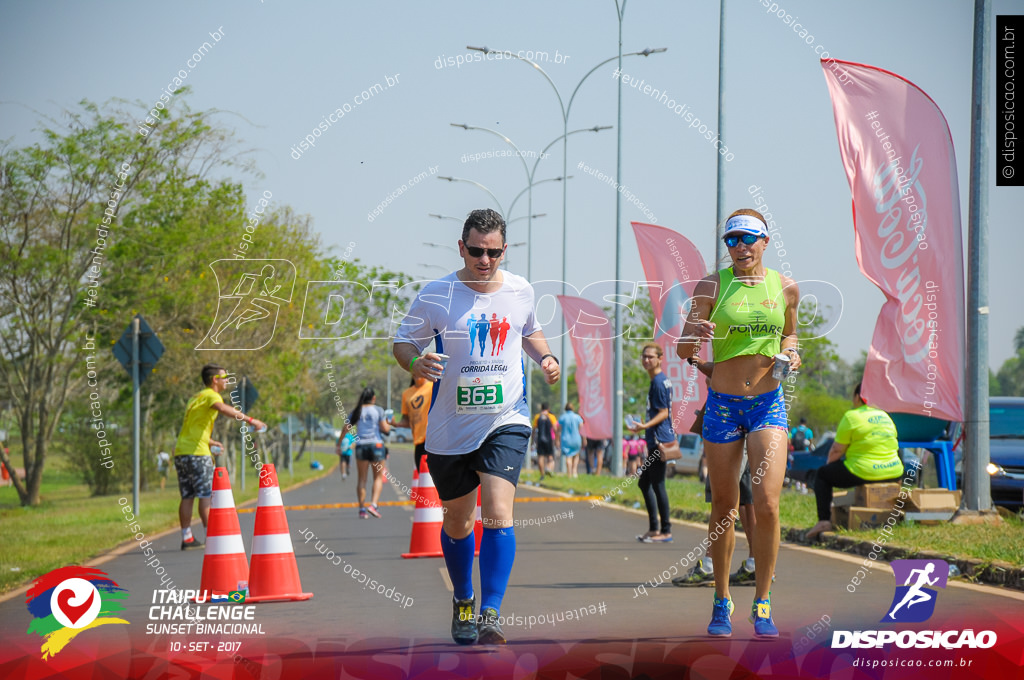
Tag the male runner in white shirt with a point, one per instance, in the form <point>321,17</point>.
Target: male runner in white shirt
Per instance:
<point>478,428</point>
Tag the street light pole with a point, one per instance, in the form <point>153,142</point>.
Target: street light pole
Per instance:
<point>720,193</point>
<point>565,110</point>
<point>617,378</point>
<point>445,217</point>
<point>977,487</point>
<point>530,174</point>
<point>501,210</point>
<point>439,245</point>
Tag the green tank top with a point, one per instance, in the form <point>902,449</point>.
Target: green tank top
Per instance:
<point>748,318</point>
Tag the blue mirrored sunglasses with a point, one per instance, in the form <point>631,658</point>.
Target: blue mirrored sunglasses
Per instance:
<point>748,239</point>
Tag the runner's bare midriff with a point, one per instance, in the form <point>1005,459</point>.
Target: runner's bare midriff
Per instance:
<point>744,376</point>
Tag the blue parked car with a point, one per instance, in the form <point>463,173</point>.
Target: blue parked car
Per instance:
<point>400,434</point>
<point>806,463</point>
<point>1006,451</point>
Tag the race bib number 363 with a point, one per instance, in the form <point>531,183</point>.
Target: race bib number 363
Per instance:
<point>478,395</point>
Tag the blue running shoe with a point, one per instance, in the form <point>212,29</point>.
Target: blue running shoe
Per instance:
<point>720,625</point>
<point>761,617</point>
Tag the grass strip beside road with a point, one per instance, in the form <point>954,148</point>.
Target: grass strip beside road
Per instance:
<point>1004,542</point>
<point>989,543</point>
<point>70,526</point>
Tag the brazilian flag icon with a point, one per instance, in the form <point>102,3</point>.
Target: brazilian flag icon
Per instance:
<point>237,596</point>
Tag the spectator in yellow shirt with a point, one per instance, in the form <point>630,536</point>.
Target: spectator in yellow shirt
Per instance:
<point>865,450</point>
<point>192,458</point>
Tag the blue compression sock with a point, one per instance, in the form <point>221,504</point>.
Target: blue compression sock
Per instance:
<point>458,557</point>
<point>497,553</point>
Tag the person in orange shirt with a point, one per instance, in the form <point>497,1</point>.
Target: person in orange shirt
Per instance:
<point>415,407</point>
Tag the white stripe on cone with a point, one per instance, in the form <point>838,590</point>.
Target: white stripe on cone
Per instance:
<point>426,481</point>
<point>429,515</point>
<point>222,499</point>
<point>269,495</point>
<point>272,544</point>
<point>225,545</point>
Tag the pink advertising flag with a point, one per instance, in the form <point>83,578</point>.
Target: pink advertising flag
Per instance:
<point>591,336</point>
<point>673,266</point>
<point>899,160</point>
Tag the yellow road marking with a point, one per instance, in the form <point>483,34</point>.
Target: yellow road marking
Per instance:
<point>332,506</point>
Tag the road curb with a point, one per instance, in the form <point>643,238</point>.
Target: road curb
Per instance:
<point>128,544</point>
<point>973,570</point>
<point>990,572</point>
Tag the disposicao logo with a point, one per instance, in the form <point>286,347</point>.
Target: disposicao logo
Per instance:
<point>68,601</point>
<point>915,575</point>
<point>914,602</point>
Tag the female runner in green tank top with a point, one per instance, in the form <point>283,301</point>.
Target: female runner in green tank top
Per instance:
<point>749,313</point>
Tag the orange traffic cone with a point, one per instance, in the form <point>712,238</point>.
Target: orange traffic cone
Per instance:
<point>224,566</point>
<point>478,528</point>
<point>426,518</point>
<point>273,573</point>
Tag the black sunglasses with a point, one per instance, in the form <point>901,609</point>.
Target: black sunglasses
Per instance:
<point>748,239</point>
<point>493,253</point>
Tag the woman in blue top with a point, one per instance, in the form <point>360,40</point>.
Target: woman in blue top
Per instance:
<point>572,439</point>
<point>658,428</point>
<point>370,425</point>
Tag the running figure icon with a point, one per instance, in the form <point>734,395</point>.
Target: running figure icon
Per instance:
<point>483,327</point>
<point>248,309</point>
<point>915,595</point>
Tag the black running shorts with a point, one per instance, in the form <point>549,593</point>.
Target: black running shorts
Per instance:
<point>371,452</point>
<point>746,492</point>
<point>500,455</point>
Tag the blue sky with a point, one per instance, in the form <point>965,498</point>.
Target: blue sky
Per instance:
<point>280,68</point>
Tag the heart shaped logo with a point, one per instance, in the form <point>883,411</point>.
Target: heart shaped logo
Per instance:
<point>75,603</point>
<point>74,613</point>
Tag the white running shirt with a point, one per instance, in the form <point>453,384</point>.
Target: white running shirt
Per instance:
<point>483,387</point>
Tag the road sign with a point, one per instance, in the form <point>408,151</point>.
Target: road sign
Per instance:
<point>251,394</point>
<point>150,349</point>
<point>138,350</point>
<point>247,395</point>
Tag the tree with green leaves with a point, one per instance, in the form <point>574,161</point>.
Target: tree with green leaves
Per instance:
<point>60,201</point>
<point>1009,380</point>
<point>99,223</point>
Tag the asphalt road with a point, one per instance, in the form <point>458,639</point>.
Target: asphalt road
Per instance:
<point>571,556</point>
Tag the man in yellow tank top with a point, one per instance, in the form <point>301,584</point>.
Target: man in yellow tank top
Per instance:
<point>749,313</point>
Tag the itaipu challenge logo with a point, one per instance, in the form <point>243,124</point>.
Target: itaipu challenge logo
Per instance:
<point>69,601</point>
